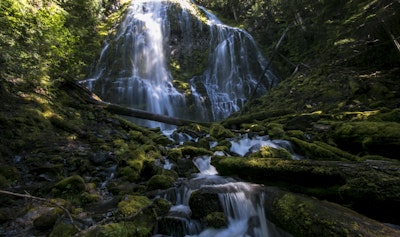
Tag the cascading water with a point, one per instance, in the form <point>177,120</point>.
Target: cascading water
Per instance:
<point>242,204</point>
<point>135,66</point>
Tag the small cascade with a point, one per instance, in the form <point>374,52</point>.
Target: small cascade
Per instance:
<point>246,145</point>
<point>242,204</point>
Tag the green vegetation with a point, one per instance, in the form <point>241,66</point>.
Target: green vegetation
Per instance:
<point>337,103</point>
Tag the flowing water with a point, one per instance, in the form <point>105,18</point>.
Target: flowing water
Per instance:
<point>242,204</point>
<point>134,68</point>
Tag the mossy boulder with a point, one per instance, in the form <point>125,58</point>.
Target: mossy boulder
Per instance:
<point>130,205</point>
<point>270,152</point>
<point>160,181</point>
<point>305,216</point>
<point>321,151</point>
<point>70,185</point>
<point>216,220</point>
<point>47,219</point>
<point>161,206</point>
<point>63,229</point>
<point>219,132</point>
<point>203,203</point>
<point>374,138</point>
<point>192,151</point>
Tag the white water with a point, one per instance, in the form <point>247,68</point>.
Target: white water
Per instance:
<point>242,204</point>
<point>133,68</point>
<point>245,145</point>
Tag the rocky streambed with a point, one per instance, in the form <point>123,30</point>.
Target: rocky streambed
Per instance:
<point>106,176</point>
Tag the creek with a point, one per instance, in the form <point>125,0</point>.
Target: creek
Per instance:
<point>241,202</point>
<point>159,39</point>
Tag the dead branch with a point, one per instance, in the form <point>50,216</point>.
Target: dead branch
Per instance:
<point>44,200</point>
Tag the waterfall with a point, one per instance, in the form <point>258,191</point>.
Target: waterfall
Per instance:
<point>216,66</point>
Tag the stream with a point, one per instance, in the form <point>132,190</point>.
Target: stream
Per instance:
<point>135,69</point>
<point>241,202</point>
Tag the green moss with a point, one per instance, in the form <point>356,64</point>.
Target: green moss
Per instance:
<point>203,204</point>
<point>193,151</point>
<point>321,151</point>
<point>62,229</point>
<point>270,152</point>
<point>130,205</point>
<point>374,138</point>
<point>128,173</point>
<point>219,132</point>
<point>160,182</point>
<point>71,185</point>
<point>275,130</point>
<point>216,220</point>
<point>161,206</point>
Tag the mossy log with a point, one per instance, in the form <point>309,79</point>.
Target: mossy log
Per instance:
<point>305,216</point>
<point>84,94</point>
<point>370,187</point>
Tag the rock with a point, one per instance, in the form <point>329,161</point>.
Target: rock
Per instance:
<point>73,184</point>
<point>306,216</point>
<point>160,182</point>
<point>46,220</point>
<point>216,220</point>
<point>373,138</point>
<point>203,203</point>
<point>131,204</point>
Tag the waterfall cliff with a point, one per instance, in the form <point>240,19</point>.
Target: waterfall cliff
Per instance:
<point>174,58</point>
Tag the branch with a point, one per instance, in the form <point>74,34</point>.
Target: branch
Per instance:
<point>29,196</point>
<point>110,219</point>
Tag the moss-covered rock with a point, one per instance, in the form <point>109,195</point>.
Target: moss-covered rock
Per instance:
<point>47,219</point>
<point>160,181</point>
<point>130,205</point>
<point>204,203</point>
<point>216,220</point>
<point>63,229</point>
<point>374,138</point>
<point>270,152</point>
<point>321,151</point>
<point>219,132</point>
<point>304,216</point>
<point>161,206</point>
<point>70,185</point>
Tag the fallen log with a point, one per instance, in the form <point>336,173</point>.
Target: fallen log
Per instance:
<point>84,94</point>
<point>142,114</point>
<point>306,216</point>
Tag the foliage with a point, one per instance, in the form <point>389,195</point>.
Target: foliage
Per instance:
<point>43,41</point>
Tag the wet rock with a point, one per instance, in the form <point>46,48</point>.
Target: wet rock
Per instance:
<point>306,216</point>
<point>370,187</point>
<point>203,203</point>
<point>46,220</point>
<point>131,204</point>
<point>160,182</point>
<point>216,220</point>
<point>100,157</point>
